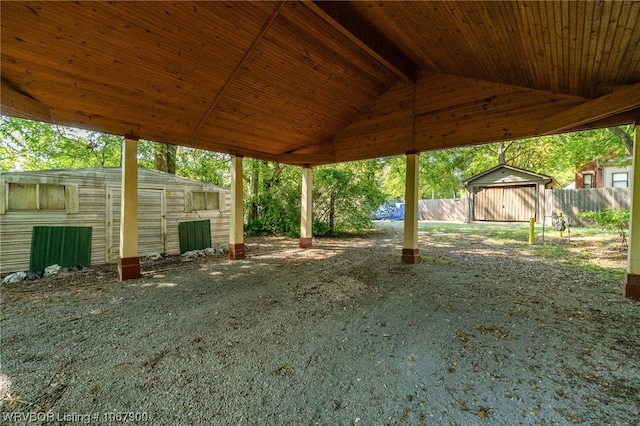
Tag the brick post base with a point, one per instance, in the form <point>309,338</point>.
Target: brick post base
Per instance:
<point>631,286</point>
<point>306,243</point>
<point>411,255</point>
<point>237,252</point>
<point>128,268</point>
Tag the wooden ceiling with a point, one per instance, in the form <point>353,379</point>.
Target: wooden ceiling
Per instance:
<point>322,82</point>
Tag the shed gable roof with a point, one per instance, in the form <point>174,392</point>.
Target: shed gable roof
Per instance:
<point>506,175</point>
<point>99,174</point>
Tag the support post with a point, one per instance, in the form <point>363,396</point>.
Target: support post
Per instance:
<point>468,216</point>
<point>632,276</point>
<point>306,208</point>
<point>236,234</point>
<point>128,261</point>
<point>531,231</point>
<point>410,251</point>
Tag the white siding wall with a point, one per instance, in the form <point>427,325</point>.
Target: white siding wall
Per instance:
<point>16,226</point>
<point>608,172</point>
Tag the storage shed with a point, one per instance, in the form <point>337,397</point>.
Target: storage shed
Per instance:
<point>91,198</point>
<point>507,194</point>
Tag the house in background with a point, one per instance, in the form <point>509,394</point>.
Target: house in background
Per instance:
<point>89,199</point>
<point>614,173</point>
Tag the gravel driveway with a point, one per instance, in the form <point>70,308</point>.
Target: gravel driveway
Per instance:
<point>480,332</point>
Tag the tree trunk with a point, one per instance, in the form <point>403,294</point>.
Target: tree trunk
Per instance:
<point>164,158</point>
<point>624,137</point>
<point>255,190</point>
<point>501,153</point>
<point>332,212</point>
<point>172,151</point>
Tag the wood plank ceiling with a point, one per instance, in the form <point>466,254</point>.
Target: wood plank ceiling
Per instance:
<point>322,82</point>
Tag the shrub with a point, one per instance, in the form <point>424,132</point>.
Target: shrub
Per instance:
<point>617,219</point>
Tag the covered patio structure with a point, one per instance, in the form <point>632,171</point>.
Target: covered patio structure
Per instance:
<point>311,83</point>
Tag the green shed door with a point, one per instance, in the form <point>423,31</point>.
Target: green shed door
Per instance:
<point>62,245</point>
<point>194,235</point>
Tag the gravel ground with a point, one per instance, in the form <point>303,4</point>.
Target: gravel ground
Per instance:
<point>480,332</point>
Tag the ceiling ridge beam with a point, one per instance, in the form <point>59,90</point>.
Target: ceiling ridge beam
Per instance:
<point>614,103</point>
<point>238,68</point>
<point>352,25</point>
<point>17,104</point>
<point>306,159</point>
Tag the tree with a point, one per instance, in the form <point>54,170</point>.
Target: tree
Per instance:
<point>624,136</point>
<point>165,158</point>
<point>207,166</point>
<point>345,195</point>
<point>32,145</point>
<point>273,197</point>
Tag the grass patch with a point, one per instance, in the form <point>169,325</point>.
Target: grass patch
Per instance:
<point>575,250</point>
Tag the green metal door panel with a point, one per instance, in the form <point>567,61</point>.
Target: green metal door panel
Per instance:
<point>194,235</point>
<point>62,245</point>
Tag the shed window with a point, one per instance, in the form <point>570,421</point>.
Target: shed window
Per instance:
<point>206,201</point>
<point>51,197</point>
<point>23,196</point>
<point>34,196</point>
<point>587,182</point>
<point>620,180</point>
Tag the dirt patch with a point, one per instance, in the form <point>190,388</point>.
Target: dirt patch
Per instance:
<point>342,333</point>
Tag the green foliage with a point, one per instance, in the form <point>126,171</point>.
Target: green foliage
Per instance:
<point>206,166</point>
<point>273,198</point>
<point>32,145</point>
<point>617,219</point>
<point>609,218</point>
<point>393,177</point>
<point>320,229</point>
<point>345,195</point>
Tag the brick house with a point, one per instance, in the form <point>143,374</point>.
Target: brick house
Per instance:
<point>614,173</point>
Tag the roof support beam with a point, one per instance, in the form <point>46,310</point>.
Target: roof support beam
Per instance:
<point>306,159</point>
<point>17,104</point>
<point>238,68</point>
<point>618,102</point>
<point>350,23</point>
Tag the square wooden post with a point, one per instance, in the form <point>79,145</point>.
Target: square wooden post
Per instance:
<point>128,261</point>
<point>410,251</point>
<point>306,205</point>
<point>236,234</point>
<point>632,276</point>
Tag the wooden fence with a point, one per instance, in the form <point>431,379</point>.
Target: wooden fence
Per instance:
<point>570,202</point>
<point>451,209</point>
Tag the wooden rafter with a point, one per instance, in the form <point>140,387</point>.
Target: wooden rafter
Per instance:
<point>618,102</point>
<point>307,159</point>
<point>348,21</point>
<point>20,105</point>
<point>238,68</point>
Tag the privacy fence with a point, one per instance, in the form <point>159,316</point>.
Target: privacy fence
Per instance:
<point>570,202</point>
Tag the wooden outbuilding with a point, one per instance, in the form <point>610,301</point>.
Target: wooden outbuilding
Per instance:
<point>90,198</point>
<point>507,194</point>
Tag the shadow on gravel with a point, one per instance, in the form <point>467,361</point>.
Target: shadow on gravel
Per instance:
<point>482,331</point>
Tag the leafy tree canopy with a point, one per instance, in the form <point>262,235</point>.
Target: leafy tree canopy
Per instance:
<point>344,194</point>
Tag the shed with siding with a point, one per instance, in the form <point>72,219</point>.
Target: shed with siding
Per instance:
<point>507,194</point>
<point>91,198</point>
